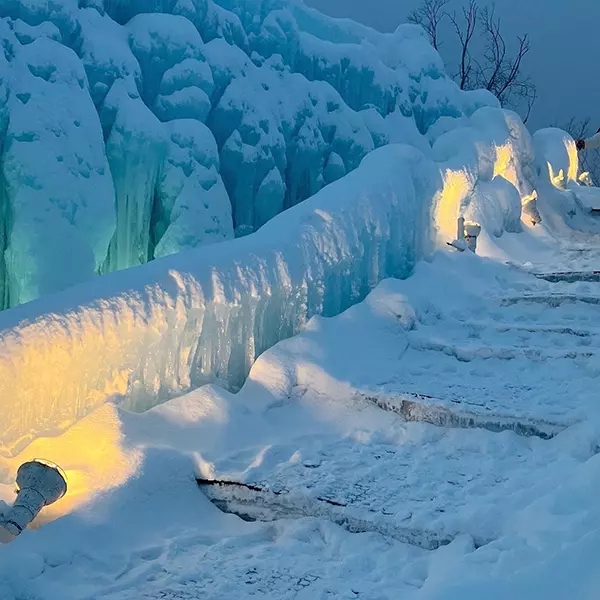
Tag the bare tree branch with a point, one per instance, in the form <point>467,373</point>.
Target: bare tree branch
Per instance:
<point>429,15</point>
<point>465,29</point>
<point>497,68</point>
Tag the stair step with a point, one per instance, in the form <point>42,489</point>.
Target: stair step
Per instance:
<point>254,503</point>
<point>470,352</point>
<point>552,300</point>
<point>570,276</point>
<point>458,415</point>
<point>421,487</point>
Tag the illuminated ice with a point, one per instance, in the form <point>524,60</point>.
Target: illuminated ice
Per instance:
<point>293,99</point>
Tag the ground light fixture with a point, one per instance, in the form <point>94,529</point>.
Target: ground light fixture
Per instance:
<point>39,483</point>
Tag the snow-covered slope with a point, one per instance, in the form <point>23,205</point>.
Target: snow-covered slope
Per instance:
<point>439,441</point>
<point>134,134</point>
<point>134,129</point>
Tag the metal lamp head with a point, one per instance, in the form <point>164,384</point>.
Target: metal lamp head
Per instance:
<point>39,483</point>
<point>45,477</point>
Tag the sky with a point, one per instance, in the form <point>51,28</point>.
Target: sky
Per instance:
<point>565,37</point>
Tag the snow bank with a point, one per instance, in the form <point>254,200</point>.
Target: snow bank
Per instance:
<point>94,178</point>
<point>202,316</point>
<point>563,201</point>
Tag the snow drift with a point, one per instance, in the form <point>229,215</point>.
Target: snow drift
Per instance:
<point>209,117</point>
<point>132,130</point>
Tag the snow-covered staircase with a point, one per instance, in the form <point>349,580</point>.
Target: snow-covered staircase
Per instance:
<point>480,398</point>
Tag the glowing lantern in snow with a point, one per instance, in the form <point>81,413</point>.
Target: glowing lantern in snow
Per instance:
<point>39,483</point>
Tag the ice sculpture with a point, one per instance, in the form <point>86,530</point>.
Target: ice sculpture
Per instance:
<point>169,125</point>
<point>58,198</point>
<point>149,333</point>
<point>293,99</point>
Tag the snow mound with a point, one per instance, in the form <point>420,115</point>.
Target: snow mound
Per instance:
<point>95,95</point>
<point>195,122</point>
<point>205,315</point>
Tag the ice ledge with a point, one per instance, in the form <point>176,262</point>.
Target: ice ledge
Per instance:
<point>149,333</point>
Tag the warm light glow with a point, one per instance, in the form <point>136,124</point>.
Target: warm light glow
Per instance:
<point>557,179</point>
<point>529,198</point>
<point>59,368</point>
<point>90,454</point>
<point>504,165</point>
<point>573,160</point>
<point>457,187</point>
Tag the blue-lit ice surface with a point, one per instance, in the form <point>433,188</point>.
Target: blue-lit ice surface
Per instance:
<point>133,130</point>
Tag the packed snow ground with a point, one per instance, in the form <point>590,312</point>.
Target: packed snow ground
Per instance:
<point>438,440</point>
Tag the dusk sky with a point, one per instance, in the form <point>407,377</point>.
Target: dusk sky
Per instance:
<point>565,41</point>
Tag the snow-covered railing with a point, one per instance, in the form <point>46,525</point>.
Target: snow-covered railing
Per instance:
<point>204,315</point>
<point>148,333</point>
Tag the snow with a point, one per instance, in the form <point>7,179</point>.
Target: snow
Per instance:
<point>293,99</point>
<point>516,510</point>
<point>389,417</point>
<point>206,314</point>
<point>52,116</point>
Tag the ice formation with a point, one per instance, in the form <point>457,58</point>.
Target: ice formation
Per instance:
<point>204,315</point>
<point>133,129</point>
<point>149,333</point>
<point>207,119</point>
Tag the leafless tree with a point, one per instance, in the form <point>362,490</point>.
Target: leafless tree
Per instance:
<point>430,15</point>
<point>465,26</point>
<point>493,67</point>
<point>501,72</point>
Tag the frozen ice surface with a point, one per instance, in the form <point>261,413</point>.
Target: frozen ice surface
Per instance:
<point>93,89</point>
<point>206,314</point>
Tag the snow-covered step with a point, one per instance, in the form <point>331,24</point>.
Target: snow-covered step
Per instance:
<point>469,352</point>
<point>546,330</point>
<point>425,489</point>
<point>254,503</point>
<point>570,276</point>
<point>578,311</point>
<point>506,334</point>
<point>551,300</point>
<point>558,391</point>
<point>462,414</point>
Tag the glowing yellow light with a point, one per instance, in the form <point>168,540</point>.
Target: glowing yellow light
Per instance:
<point>529,198</point>
<point>457,187</point>
<point>504,165</point>
<point>573,160</point>
<point>92,459</point>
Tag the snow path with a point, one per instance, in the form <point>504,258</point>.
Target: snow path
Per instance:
<point>435,436</point>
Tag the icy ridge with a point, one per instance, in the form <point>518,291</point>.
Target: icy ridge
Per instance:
<point>95,95</point>
<point>201,316</point>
